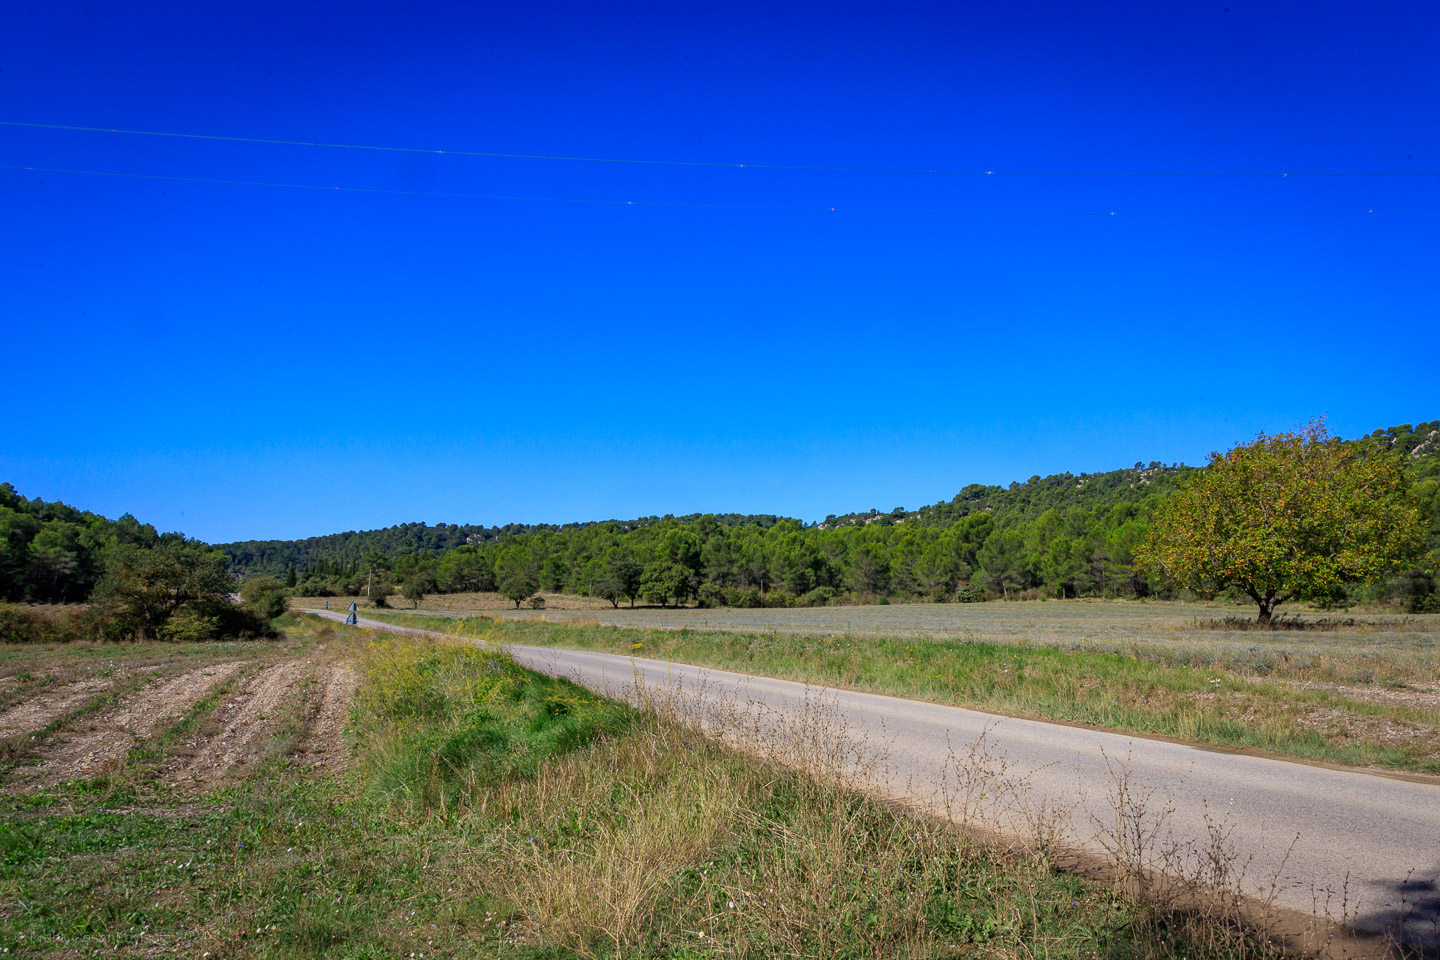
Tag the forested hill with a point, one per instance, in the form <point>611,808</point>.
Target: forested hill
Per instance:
<point>1017,503</point>
<point>347,550</point>
<point>54,553</point>
<point>1065,535</point>
<point>1025,501</point>
<point>1062,535</point>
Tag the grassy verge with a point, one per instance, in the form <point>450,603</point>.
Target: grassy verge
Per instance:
<point>1211,704</point>
<point>494,812</point>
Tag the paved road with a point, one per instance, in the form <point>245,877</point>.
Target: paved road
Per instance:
<point>1320,836</point>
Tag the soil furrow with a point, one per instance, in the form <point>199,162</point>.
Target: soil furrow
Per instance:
<point>323,739</point>
<point>36,713</point>
<point>105,739</point>
<point>247,718</point>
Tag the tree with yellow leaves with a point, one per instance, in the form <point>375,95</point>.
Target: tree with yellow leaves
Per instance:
<point>1290,516</point>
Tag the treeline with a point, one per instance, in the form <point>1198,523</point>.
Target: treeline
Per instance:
<point>54,553</point>
<point>1062,536</point>
<point>138,583</point>
<point>339,553</point>
<point>700,560</point>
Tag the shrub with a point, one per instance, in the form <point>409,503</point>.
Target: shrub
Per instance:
<point>190,625</point>
<point>144,587</point>
<point>747,599</point>
<point>265,596</point>
<point>711,596</point>
<point>20,624</point>
<point>818,597</point>
<point>779,598</point>
<point>234,622</point>
<point>971,594</point>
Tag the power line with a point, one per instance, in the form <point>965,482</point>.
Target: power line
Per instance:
<point>817,208</point>
<point>814,168</point>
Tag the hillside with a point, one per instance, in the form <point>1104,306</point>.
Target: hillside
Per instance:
<point>1063,535</point>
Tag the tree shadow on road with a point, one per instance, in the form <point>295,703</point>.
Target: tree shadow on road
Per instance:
<point>1412,921</point>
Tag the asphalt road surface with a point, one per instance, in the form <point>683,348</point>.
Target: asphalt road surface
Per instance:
<point>1364,848</point>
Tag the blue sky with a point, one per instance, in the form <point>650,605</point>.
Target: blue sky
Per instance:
<point>818,331</point>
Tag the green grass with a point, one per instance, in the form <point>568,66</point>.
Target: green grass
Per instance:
<point>493,812</point>
<point>1347,648</point>
<point>1207,702</point>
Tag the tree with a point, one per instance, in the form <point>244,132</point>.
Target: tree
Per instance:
<point>664,579</point>
<point>380,591</point>
<point>1002,561</point>
<point>1295,515</point>
<point>870,569</point>
<point>465,569</point>
<point>144,588</point>
<point>516,574</point>
<point>519,585</point>
<point>602,581</point>
<point>265,596</point>
<point>627,570</point>
<point>415,587</point>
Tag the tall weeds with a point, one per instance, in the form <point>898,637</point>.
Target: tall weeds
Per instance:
<point>599,829</point>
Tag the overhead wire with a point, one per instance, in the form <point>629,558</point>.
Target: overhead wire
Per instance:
<point>797,208</point>
<point>715,164</point>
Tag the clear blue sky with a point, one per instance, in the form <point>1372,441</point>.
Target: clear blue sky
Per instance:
<point>254,361</point>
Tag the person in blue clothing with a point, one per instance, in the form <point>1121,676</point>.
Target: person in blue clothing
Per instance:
<point>327,604</point>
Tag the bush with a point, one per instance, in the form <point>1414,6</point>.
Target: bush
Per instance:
<point>20,624</point>
<point>189,625</point>
<point>265,596</point>
<point>971,594</point>
<point>234,622</point>
<point>711,596</point>
<point>818,597</point>
<point>143,588</point>
<point>779,598</point>
<point>380,592</point>
<point>747,599</point>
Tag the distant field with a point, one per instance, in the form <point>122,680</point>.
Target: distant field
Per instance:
<point>1362,693</point>
<point>1059,619</point>
<point>1358,648</point>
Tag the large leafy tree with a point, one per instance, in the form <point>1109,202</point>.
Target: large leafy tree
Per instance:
<point>1295,515</point>
<point>149,592</point>
<point>664,579</point>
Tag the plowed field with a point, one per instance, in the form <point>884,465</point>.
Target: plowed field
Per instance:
<point>183,717</point>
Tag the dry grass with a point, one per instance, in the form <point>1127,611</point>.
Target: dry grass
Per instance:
<point>704,828</point>
<point>1351,648</point>
<point>1357,704</point>
<point>493,812</point>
